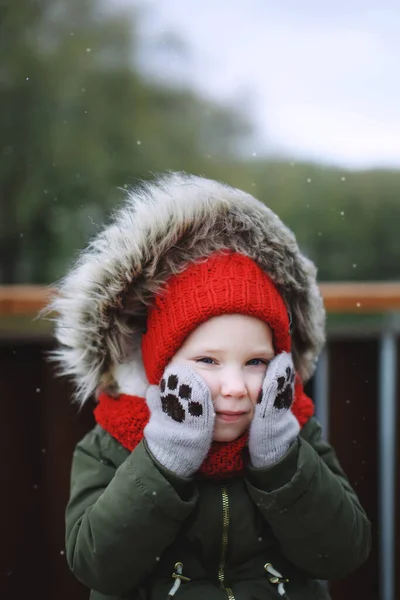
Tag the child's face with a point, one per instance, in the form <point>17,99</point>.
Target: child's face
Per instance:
<point>231,353</point>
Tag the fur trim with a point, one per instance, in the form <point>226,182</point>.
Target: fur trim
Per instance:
<point>130,377</point>
<point>176,219</point>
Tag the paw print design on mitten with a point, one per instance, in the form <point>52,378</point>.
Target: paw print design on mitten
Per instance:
<point>176,399</point>
<point>284,396</point>
<point>274,427</point>
<point>277,392</point>
<point>181,424</point>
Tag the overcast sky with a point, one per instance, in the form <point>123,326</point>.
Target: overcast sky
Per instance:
<point>321,80</point>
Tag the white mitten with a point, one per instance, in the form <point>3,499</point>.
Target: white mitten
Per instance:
<point>274,427</point>
<point>180,429</point>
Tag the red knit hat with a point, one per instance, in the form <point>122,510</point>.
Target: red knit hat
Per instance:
<point>224,283</point>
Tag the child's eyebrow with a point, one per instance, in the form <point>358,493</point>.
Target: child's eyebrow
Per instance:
<point>263,350</point>
<point>209,350</point>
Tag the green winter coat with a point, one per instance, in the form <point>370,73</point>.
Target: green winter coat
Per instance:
<point>128,522</point>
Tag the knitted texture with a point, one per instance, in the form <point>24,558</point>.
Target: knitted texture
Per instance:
<point>224,283</point>
<point>179,432</point>
<point>274,427</point>
<point>125,418</point>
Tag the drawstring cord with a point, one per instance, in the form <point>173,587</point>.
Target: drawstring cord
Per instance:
<point>276,579</point>
<point>177,575</point>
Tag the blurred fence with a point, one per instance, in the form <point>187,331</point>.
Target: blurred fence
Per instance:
<point>355,390</point>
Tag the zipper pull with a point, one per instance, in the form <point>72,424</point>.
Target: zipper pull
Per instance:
<point>179,578</point>
<point>276,579</point>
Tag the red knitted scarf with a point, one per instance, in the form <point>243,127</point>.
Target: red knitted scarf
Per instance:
<point>125,418</point>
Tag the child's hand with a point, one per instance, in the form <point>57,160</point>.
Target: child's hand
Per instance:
<point>179,432</point>
<point>274,427</point>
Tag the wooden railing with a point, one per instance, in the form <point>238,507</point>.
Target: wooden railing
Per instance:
<point>345,297</point>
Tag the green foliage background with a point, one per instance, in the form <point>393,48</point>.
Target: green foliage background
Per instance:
<point>79,122</point>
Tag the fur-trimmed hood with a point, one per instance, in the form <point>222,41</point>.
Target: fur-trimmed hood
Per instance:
<point>101,304</point>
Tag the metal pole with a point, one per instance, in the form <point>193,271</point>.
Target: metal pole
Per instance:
<point>321,393</point>
<point>387,460</point>
<point>321,400</point>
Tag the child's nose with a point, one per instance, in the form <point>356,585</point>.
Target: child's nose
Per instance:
<point>233,384</point>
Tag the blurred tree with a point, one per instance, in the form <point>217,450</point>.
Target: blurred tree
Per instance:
<point>347,222</point>
<point>79,120</point>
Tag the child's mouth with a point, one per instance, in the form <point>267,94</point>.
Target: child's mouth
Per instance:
<point>230,417</point>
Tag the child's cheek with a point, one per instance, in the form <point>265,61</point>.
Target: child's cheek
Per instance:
<point>207,377</point>
<point>256,393</point>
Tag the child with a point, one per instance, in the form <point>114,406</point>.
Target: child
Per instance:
<point>195,319</point>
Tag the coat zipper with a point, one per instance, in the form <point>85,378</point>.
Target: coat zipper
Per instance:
<point>225,526</point>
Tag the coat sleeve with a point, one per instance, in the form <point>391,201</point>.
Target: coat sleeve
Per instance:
<point>122,514</point>
<point>312,509</point>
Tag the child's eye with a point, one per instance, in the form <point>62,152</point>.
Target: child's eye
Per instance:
<point>205,359</point>
<point>255,362</point>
